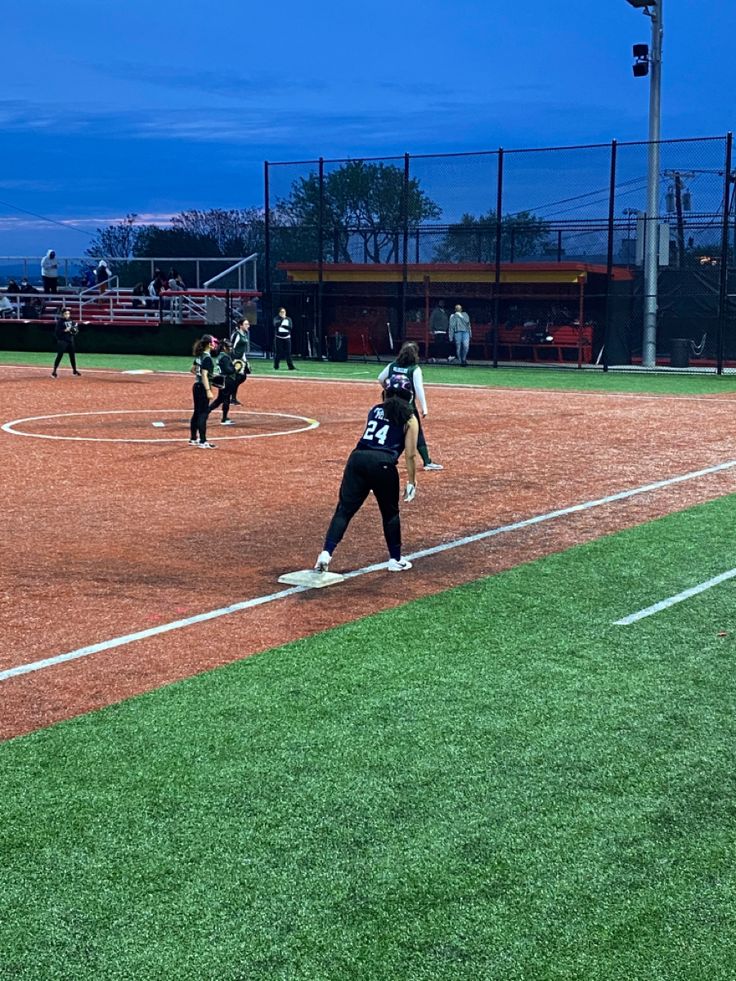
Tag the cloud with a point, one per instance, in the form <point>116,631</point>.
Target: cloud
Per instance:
<point>81,223</point>
<point>221,83</point>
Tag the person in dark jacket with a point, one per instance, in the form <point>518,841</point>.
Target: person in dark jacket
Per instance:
<point>282,327</point>
<point>65,330</point>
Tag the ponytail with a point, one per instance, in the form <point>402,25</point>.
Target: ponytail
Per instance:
<point>200,345</point>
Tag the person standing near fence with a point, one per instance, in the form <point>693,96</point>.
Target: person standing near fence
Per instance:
<point>439,329</point>
<point>391,429</point>
<point>50,272</point>
<point>407,366</point>
<point>460,332</point>
<point>240,344</point>
<point>65,330</point>
<point>282,340</point>
<point>203,368</point>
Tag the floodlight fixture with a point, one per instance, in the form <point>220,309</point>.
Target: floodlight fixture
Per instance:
<point>641,65</point>
<point>641,4</point>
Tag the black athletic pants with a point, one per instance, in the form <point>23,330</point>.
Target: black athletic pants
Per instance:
<point>282,349</point>
<point>366,471</point>
<point>223,399</point>
<point>198,422</point>
<point>63,348</point>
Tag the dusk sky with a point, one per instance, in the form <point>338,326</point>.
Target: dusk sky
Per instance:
<point>155,108</point>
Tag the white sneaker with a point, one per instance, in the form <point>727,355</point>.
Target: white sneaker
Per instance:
<point>226,422</point>
<point>323,561</point>
<point>398,565</point>
<point>194,442</point>
<point>206,446</point>
<point>433,466</point>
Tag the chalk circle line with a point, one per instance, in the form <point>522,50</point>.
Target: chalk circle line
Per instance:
<point>10,427</point>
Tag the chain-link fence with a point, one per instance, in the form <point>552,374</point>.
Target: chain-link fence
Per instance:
<point>611,255</point>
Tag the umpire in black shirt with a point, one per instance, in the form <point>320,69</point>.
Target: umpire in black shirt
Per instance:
<point>65,331</point>
<point>282,340</point>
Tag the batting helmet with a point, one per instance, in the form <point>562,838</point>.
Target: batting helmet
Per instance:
<point>399,386</point>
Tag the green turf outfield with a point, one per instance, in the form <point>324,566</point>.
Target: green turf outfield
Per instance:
<point>542,377</point>
<point>491,783</point>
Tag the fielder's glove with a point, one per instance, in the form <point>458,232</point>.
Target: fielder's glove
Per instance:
<point>410,493</point>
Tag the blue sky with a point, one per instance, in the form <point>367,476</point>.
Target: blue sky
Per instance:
<point>154,108</point>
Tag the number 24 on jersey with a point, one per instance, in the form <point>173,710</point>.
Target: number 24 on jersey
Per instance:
<point>374,434</point>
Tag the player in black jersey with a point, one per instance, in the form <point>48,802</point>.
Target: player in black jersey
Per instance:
<point>203,368</point>
<point>391,430</point>
<point>65,330</point>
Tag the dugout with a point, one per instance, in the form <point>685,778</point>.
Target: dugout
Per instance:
<point>376,305</point>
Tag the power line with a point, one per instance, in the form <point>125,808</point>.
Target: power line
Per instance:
<point>51,221</point>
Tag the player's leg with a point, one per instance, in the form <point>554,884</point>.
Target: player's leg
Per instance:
<point>57,360</point>
<point>354,489</point>
<point>386,487</point>
<point>226,397</point>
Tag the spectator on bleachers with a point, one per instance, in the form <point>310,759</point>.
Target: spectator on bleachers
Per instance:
<point>175,280</point>
<point>138,291</point>
<point>30,308</point>
<point>155,288</point>
<point>7,309</point>
<point>102,275</point>
<point>12,287</point>
<point>50,272</point>
<point>176,284</point>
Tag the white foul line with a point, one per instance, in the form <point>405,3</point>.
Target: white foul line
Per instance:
<point>107,645</point>
<point>672,600</point>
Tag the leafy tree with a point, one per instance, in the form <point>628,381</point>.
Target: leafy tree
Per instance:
<point>118,241</point>
<point>474,239</point>
<point>363,203</point>
<point>234,232</point>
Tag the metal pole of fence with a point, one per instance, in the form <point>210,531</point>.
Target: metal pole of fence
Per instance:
<point>321,254</point>
<point>609,255</point>
<point>266,259</point>
<point>497,271</point>
<point>405,245</point>
<point>723,278</point>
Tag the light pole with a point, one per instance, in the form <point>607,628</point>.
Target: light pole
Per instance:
<point>653,10</point>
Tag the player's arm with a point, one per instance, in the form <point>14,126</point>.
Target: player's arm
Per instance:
<point>418,381</point>
<point>206,382</point>
<point>383,377</point>
<point>410,449</point>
